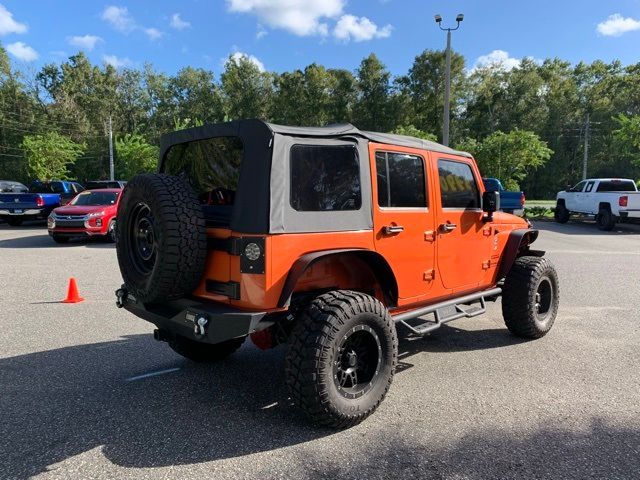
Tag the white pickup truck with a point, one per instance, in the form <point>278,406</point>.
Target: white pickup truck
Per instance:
<point>609,199</point>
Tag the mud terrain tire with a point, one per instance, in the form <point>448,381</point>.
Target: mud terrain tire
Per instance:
<point>342,355</point>
<point>161,238</point>
<point>530,297</point>
<point>205,352</point>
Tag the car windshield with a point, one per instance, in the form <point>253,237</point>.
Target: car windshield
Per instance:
<point>95,198</point>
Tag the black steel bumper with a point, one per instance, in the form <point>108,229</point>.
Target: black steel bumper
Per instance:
<point>207,322</point>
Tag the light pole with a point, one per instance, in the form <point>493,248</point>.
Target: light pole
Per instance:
<point>447,76</point>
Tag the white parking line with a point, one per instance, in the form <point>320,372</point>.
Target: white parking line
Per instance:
<point>152,374</point>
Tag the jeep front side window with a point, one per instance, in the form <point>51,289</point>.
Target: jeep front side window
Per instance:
<point>458,188</point>
<point>325,178</point>
<point>401,180</point>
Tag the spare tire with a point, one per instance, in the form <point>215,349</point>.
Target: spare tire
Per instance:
<point>161,238</point>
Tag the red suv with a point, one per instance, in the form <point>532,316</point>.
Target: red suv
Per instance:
<point>91,213</point>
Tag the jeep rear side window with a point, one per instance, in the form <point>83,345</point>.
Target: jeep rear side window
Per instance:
<point>401,182</point>
<point>458,188</point>
<point>325,178</point>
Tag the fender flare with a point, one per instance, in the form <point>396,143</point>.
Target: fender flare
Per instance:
<point>517,240</point>
<point>378,264</point>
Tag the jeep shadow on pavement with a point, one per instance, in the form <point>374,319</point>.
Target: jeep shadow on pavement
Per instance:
<point>323,239</point>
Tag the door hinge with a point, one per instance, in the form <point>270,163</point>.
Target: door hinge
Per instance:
<point>429,275</point>
<point>486,231</point>
<point>486,264</point>
<point>429,236</point>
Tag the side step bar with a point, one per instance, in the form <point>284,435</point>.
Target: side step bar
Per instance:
<point>461,309</point>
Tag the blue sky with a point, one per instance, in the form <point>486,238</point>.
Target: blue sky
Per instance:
<point>334,33</point>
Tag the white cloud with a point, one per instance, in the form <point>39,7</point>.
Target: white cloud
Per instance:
<point>86,42</point>
<point>119,18</point>
<point>497,58</point>
<point>117,62</point>
<point>616,25</point>
<point>178,23</point>
<point>350,27</point>
<point>237,56</point>
<point>153,33</point>
<point>262,32</point>
<point>8,24</point>
<point>300,17</point>
<point>22,52</point>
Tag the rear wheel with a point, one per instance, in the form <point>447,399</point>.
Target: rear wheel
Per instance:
<point>14,222</point>
<point>342,355</point>
<point>605,219</point>
<point>60,239</point>
<point>561,214</point>
<point>204,352</point>
<point>530,297</point>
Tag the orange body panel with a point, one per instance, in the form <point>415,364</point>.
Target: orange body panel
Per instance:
<point>429,265</point>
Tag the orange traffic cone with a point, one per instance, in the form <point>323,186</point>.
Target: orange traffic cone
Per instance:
<point>72,293</point>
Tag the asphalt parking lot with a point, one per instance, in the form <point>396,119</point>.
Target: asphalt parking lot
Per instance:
<point>471,401</point>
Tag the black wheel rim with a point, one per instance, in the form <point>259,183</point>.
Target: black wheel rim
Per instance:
<point>143,238</point>
<point>544,299</point>
<point>357,361</point>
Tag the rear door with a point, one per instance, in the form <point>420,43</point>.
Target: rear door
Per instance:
<point>464,240</point>
<point>403,218</point>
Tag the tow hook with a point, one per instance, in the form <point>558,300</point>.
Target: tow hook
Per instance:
<point>200,326</point>
<point>121,297</point>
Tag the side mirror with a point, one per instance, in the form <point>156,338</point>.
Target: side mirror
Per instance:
<point>490,204</point>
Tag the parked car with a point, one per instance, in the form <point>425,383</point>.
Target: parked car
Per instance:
<point>96,184</point>
<point>91,213</point>
<point>8,186</point>
<point>608,200</point>
<point>37,203</point>
<point>65,189</point>
<point>510,202</point>
<point>328,239</point>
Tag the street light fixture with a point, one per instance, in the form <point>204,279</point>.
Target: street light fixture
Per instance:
<point>447,75</point>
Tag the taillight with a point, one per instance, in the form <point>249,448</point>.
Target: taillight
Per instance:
<point>623,201</point>
<point>522,199</point>
<point>39,201</point>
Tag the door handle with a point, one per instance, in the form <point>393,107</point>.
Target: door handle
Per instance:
<point>448,227</point>
<point>393,229</point>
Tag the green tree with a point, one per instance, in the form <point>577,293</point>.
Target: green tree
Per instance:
<point>372,105</point>
<point>509,156</point>
<point>412,131</point>
<point>49,155</point>
<point>134,155</point>
<point>247,91</point>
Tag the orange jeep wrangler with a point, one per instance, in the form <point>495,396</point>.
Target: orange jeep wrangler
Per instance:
<point>324,239</point>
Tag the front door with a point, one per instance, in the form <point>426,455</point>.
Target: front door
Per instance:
<point>403,218</point>
<point>464,240</point>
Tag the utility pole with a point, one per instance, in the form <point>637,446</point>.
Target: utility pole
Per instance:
<point>111,169</point>
<point>447,77</point>
<point>585,160</point>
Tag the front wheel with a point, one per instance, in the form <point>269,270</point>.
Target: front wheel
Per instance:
<point>111,232</point>
<point>530,297</point>
<point>342,355</point>
<point>561,214</point>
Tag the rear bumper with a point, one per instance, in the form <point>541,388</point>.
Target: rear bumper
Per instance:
<point>26,213</point>
<point>179,317</point>
<point>630,213</point>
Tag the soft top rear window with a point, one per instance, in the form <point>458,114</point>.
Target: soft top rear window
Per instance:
<point>616,186</point>
<point>212,166</point>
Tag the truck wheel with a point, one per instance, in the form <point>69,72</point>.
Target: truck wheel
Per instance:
<point>204,352</point>
<point>161,238</point>
<point>606,220</point>
<point>14,222</point>
<point>342,355</point>
<point>60,239</point>
<point>561,214</point>
<point>530,297</point>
